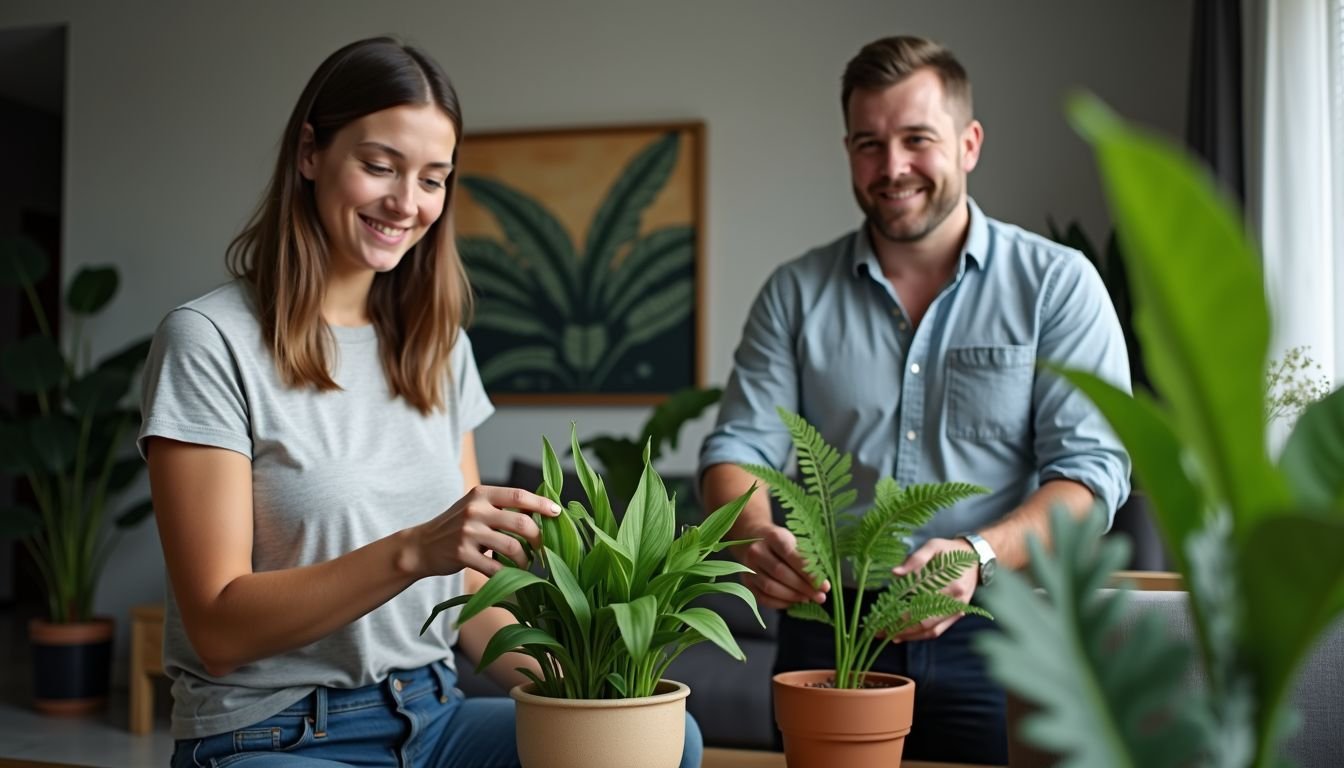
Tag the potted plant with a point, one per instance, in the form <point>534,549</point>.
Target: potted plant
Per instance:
<point>70,453</point>
<point>1257,541</point>
<point>604,612</point>
<point>850,715</point>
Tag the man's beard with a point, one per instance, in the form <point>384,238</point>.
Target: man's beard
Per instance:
<point>906,229</point>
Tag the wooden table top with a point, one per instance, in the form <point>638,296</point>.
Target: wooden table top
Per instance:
<point>745,758</point>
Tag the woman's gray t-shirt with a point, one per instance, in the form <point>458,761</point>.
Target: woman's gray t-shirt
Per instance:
<point>331,472</point>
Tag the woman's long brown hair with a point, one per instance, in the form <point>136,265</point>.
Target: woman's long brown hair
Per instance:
<point>419,307</point>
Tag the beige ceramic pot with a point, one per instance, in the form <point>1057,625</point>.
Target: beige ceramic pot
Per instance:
<point>649,732</point>
<point>828,727</point>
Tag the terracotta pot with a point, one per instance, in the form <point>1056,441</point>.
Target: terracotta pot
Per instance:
<point>649,732</point>
<point>854,728</point>
<point>71,665</point>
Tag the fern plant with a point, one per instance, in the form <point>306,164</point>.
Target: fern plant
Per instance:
<point>610,606</point>
<point>589,307</point>
<point>835,541</point>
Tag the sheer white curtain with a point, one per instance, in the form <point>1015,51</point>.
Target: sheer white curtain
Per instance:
<point>1300,193</point>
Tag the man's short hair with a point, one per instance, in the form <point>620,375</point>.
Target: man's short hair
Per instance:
<point>886,62</point>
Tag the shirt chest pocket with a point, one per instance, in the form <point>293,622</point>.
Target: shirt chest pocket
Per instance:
<point>989,392</point>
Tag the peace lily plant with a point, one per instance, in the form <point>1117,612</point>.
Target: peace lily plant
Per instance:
<point>607,606</point>
<point>833,538</point>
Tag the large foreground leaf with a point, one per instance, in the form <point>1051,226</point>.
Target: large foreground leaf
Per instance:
<point>1206,348</point>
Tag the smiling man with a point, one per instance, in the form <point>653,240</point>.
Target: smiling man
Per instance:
<point>913,343</point>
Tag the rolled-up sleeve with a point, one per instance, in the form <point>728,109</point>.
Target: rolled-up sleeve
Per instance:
<point>765,374</point>
<point>1079,331</point>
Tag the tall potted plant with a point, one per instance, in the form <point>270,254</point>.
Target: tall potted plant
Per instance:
<point>604,610</point>
<point>70,454</point>
<point>1257,541</point>
<point>850,715</point>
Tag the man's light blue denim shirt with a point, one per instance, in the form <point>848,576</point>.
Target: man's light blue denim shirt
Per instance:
<point>960,398</point>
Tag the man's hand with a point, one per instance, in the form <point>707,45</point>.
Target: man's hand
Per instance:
<point>780,579</point>
<point>962,588</point>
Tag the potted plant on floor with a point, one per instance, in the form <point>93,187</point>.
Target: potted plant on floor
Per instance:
<point>850,715</point>
<point>70,453</point>
<point>1257,542</point>
<point>605,613</point>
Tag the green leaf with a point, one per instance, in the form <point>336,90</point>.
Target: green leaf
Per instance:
<point>636,620</point>
<point>1098,702</point>
<point>22,261</point>
<point>719,588</point>
<point>668,418</point>
<point>496,589</point>
<point>124,472</point>
<point>98,392</point>
<point>136,514</point>
<point>1156,453</point>
<point>617,681</point>
<point>441,607</point>
<point>91,289</point>
<point>33,364</point>
<point>713,628</point>
<point>1204,349</point>
<point>617,219</point>
<point>573,594</point>
<point>19,521</point>
<point>717,525</point>
<point>592,486</point>
<point>811,612</point>
<point>540,240</point>
<point>1292,578</point>
<point>622,463</point>
<point>1313,458</point>
<point>514,637</point>
<point>551,473</point>
<point>54,439</point>
<point>128,358</point>
<point>649,526</point>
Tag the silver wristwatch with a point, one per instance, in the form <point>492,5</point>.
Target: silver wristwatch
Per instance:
<point>989,563</point>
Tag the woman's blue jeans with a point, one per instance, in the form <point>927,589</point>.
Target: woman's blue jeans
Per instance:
<point>413,719</point>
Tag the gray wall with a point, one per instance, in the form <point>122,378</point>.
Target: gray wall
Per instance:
<point>173,111</point>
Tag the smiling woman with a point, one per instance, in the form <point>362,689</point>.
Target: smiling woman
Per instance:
<point>309,434</point>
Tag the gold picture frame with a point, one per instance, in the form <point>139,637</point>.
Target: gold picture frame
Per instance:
<point>585,251</point>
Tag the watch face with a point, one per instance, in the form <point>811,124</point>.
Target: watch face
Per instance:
<point>987,571</point>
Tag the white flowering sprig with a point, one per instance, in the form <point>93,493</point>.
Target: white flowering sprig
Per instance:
<point>1292,383</point>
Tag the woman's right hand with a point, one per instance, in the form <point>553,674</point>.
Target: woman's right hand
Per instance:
<point>465,534</point>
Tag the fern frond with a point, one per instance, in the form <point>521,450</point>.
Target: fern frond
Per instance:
<point>805,518</point>
<point>941,570</point>
<point>811,612</point>
<point>898,512</point>
<point>825,470</point>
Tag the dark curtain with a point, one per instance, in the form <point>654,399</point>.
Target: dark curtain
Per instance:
<point>1213,117</point>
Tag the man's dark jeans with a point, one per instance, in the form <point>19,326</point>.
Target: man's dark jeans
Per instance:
<point>959,711</point>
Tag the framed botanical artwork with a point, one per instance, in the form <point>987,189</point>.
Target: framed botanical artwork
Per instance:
<point>584,248</point>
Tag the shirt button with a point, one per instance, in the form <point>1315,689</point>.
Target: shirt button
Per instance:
<point>910,435</point>
<point>914,368</point>
<point>902,325</point>
<point>398,685</point>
